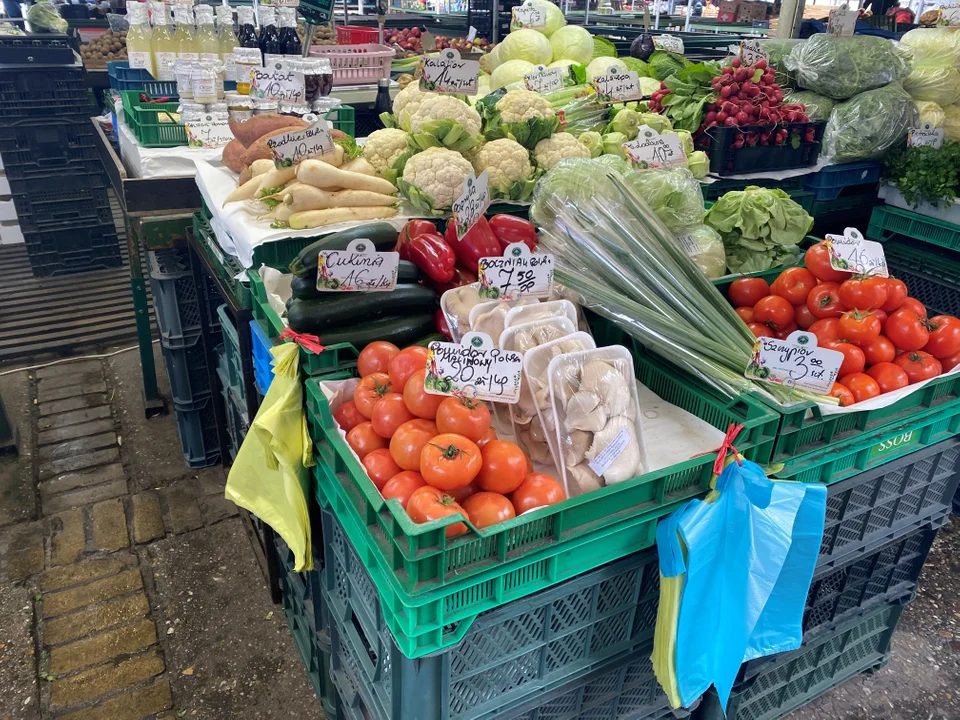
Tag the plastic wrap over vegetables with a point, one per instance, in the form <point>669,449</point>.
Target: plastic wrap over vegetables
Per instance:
<point>672,193</point>
<point>931,113</point>
<point>951,122</point>
<point>777,49</point>
<point>866,126</point>
<point>932,46</point>
<point>705,246</point>
<point>818,107</point>
<point>627,266</point>
<point>939,84</point>
<point>43,16</point>
<point>843,67</point>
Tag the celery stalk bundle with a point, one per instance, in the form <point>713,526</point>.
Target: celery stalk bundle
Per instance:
<point>612,249</point>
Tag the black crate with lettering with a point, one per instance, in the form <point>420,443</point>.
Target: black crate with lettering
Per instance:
<point>735,150</point>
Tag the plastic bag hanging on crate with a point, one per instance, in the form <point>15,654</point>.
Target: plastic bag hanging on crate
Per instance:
<point>269,476</point>
<point>744,557</point>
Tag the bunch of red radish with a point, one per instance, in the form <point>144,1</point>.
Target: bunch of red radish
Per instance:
<point>885,336</point>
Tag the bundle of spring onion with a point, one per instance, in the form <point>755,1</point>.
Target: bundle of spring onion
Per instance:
<point>580,109</point>
<point>611,248</point>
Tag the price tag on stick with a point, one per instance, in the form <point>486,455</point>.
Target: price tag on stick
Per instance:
<point>842,23</point>
<point>279,81</point>
<point>518,273</point>
<point>359,268</point>
<point>472,203</point>
<point>543,79</point>
<point>925,136</point>
<point>448,73</point>
<point>474,368</point>
<point>795,362</point>
<point>618,86</point>
<point>528,15</point>
<point>653,150</point>
<point>852,253</point>
<point>291,147</point>
<point>750,52</point>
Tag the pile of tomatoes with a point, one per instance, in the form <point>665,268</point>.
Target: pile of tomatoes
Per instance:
<point>886,338</point>
<point>438,456</point>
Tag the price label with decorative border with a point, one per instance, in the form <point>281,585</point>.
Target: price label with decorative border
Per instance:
<point>448,73</point>
<point>472,203</point>
<point>796,362</point>
<point>474,368</point>
<point>654,150</point>
<point>750,52</point>
<point>208,133</point>
<point>618,86</point>
<point>359,268</point>
<point>517,273</point>
<point>853,253</point>
<point>291,147</point>
<point>670,43</point>
<point>279,81</point>
<point>528,15</point>
<point>926,136</point>
<point>543,79</point>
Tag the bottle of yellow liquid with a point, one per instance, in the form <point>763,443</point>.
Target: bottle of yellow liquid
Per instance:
<point>228,41</point>
<point>186,35</point>
<point>208,44</point>
<point>164,44</point>
<point>139,35</point>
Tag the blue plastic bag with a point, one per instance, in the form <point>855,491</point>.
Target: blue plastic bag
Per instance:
<point>746,557</point>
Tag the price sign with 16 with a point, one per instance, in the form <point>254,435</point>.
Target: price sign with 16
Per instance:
<point>359,268</point>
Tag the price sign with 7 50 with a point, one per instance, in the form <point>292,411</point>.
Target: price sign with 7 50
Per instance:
<point>518,273</point>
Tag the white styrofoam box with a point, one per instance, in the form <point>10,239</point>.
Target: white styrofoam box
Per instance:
<point>10,233</point>
<point>947,212</point>
<point>7,209</point>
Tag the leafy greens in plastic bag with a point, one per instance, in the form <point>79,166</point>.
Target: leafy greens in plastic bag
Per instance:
<point>672,193</point>
<point>866,126</point>
<point>44,16</point>
<point>761,228</point>
<point>818,106</point>
<point>939,84</point>
<point>843,67</point>
<point>933,46</point>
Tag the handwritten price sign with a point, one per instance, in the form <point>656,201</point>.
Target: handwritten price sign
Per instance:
<point>208,133</point>
<point>528,16</point>
<point>926,136</point>
<point>471,204</point>
<point>618,86</point>
<point>474,369</point>
<point>518,273</point>
<point>290,148</point>
<point>544,79</point>
<point>279,81</point>
<point>448,73</point>
<point>795,362</point>
<point>359,268</point>
<point>852,253</point>
<point>653,150</point>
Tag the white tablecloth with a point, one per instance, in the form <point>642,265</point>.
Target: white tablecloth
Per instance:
<point>144,162</point>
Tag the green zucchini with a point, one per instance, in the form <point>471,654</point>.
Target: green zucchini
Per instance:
<point>353,309</point>
<point>305,286</point>
<point>382,235</point>
<point>399,330</point>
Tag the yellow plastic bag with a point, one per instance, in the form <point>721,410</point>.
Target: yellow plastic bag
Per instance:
<point>269,476</point>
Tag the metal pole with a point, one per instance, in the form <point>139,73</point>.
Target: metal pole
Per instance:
<point>791,15</point>
<point>656,16</point>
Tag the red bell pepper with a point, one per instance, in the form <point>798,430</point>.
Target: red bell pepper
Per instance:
<point>460,277</point>
<point>440,320</point>
<point>479,242</point>
<point>412,229</point>
<point>430,253</point>
<point>511,229</point>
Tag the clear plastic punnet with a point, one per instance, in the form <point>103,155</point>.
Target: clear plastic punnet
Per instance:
<point>456,304</point>
<point>541,311</point>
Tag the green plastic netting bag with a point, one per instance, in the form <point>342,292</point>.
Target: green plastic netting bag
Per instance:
<point>818,107</point>
<point>866,126</point>
<point>843,67</point>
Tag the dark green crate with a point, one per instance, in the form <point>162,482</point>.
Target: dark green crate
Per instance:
<point>226,266</point>
<point>846,202</point>
<point>932,274</point>
<point>791,185</point>
<point>890,223</point>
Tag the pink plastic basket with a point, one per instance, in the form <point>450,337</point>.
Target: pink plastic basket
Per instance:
<point>357,64</point>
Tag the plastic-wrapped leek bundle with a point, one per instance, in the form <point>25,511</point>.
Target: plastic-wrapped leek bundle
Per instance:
<point>626,265</point>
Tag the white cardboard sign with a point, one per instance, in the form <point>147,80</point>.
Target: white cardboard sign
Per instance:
<point>795,362</point>
<point>473,368</point>
<point>517,273</point>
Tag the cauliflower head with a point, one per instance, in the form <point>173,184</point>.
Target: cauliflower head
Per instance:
<point>384,147</point>
<point>563,145</point>
<point>522,105</point>
<point>433,179</point>
<point>508,167</point>
<point>440,107</point>
<point>408,99</point>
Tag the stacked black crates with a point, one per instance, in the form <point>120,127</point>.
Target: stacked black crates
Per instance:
<point>51,161</point>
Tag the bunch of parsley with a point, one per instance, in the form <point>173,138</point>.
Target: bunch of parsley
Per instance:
<point>925,173</point>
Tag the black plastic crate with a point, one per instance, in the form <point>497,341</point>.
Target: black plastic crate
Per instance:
<point>725,159</point>
<point>62,204</point>
<point>39,49</point>
<point>197,427</point>
<point>187,370</point>
<point>73,249</point>
<point>56,146</point>
<point>43,91</point>
<point>175,297</point>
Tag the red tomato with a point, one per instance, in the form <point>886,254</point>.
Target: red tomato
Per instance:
<point>859,328</point>
<point>461,494</point>
<point>460,415</point>
<point>950,363</point>
<point>944,336</point>
<point>537,490</point>
<point>905,330</point>
<point>427,504</point>
<point>402,485</point>
<point>450,461</point>
<point>879,351</point>
<point>489,435</point>
<point>826,329</point>
<point>853,359</point>
<point>896,294</point>
<point>760,330</point>
<point>794,284</point>
<point>389,414</point>
<point>919,365</point>
<point>824,301</point>
<point>863,293</point>
<point>370,391</point>
<point>504,467</point>
<point>363,440</point>
<point>773,311</point>
<point>380,466</point>
<point>347,416</point>
<point>487,508</point>
<point>418,400</point>
<point>404,364</point>
<point>785,333</point>
<point>889,377</point>
<point>915,305</point>
<point>881,316</point>
<point>747,291</point>
<point>408,441</point>
<point>375,357</point>
<point>803,317</point>
<point>861,385</point>
<point>842,393</point>
<point>817,260</point>
<point>746,314</point>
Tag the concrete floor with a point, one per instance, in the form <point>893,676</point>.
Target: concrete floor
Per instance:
<point>227,651</point>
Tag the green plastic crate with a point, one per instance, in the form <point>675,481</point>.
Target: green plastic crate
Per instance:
<point>144,119</point>
<point>226,266</point>
<point>932,275</point>
<point>433,587</point>
<point>845,203</point>
<point>791,185</point>
<point>890,223</point>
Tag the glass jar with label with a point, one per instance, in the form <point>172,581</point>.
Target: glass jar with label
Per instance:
<point>204,84</point>
<point>190,112</point>
<point>325,105</point>
<point>317,78</point>
<point>240,107</point>
<point>184,69</point>
<point>263,107</point>
<point>296,109</point>
<point>218,110</point>
<point>247,60</point>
